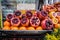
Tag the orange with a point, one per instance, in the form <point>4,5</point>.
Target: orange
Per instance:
<point>6,23</point>
<point>30,28</point>
<point>14,28</point>
<point>22,28</point>
<point>39,28</point>
<point>57,25</point>
<point>6,28</point>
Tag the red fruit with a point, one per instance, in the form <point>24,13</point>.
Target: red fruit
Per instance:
<point>44,7</point>
<point>9,17</point>
<point>58,14</point>
<point>18,14</point>
<point>23,16</point>
<point>49,8</point>
<point>47,24</point>
<point>24,21</point>
<point>29,14</point>
<point>34,21</point>
<point>57,5</point>
<point>43,15</point>
<point>15,22</point>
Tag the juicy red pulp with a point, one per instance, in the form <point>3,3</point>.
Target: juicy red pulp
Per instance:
<point>48,23</point>
<point>28,14</point>
<point>43,13</point>
<point>24,20</point>
<point>17,13</point>
<point>15,21</point>
<point>9,16</point>
<point>34,20</point>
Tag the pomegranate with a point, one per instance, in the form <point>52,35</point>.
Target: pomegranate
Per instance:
<point>24,21</point>
<point>29,14</point>
<point>15,21</point>
<point>23,16</point>
<point>57,5</point>
<point>43,14</point>
<point>18,14</point>
<point>47,24</point>
<point>34,21</point>
<point>49,8</point>
<point>9,17</point>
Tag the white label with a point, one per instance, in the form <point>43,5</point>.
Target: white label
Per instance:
<point>26,6</point>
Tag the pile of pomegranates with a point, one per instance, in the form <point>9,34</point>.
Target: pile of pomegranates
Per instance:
<point>39,20</point>
<point>46,19</point>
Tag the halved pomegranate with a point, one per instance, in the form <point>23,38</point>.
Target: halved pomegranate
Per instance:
<point>24,21</point>
<point>29,14</point>
<point>43,14</point>
<point>47,24</point>
<point>9,17</point>
<point>15,21</point>
<point>34,21</point>
<point>18,14</point>
<point>23,16</point>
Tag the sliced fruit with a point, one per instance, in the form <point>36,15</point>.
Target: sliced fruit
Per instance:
<point>29,14</point>
<point>47,24</point>
<point>15,21</point>
<point>54,20</point>
<point>6,23</point>
<point>43,14</point>
<point>9,17</point>
<point>14,28</point>
<point>18,14</point>
<point>30,28</point>
<point>35,21</point>
<point>24,21</point>
<point>39,28</point>
<point>22,28</point>
<point>52,14</point>
<point>6,28</point>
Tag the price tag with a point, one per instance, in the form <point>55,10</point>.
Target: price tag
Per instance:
<point>26,7</point>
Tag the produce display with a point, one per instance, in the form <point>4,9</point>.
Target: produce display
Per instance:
<point>46,19</point>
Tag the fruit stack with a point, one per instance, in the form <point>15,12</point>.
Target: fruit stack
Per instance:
<point>46,19</point>
<point>28,20</point>
<point>54,13</point>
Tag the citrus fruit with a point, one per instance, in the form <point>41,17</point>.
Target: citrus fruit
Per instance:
<point>31,28</point>
<point>22,28</point>
<point>6,23</point>
<point>6,28</point>
<point>14,28</point>
<point>39,28</point>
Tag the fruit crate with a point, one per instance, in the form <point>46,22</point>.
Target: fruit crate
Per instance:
<point>20,33</point>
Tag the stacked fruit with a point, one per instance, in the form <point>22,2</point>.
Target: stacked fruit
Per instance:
<point>54,13</point>
<point>28,20</point>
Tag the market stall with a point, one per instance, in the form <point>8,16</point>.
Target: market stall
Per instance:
<point>30,20</point>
